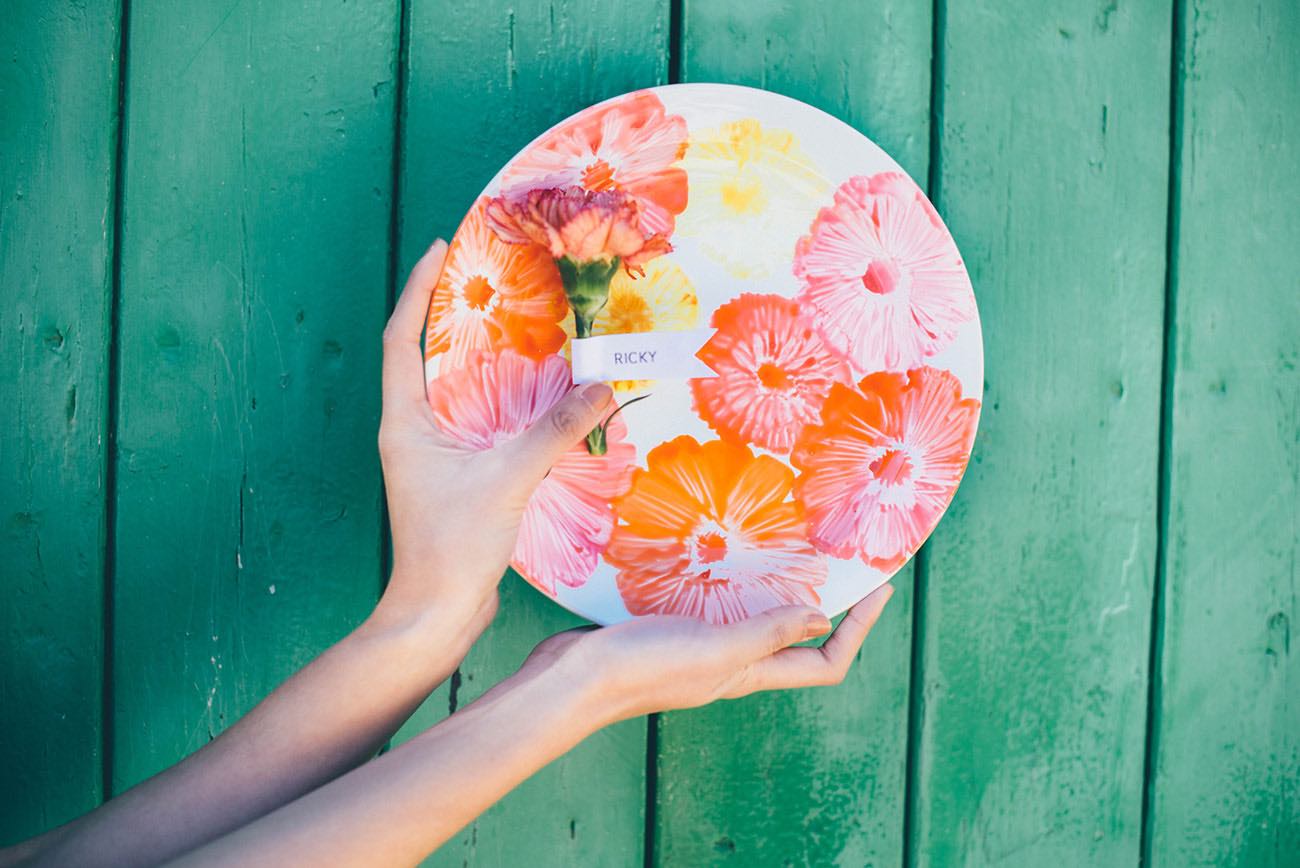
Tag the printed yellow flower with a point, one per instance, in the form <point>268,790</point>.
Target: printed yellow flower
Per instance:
<point>663,300</point>
<point>753,193</point>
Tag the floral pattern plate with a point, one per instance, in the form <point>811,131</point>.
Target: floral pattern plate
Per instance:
<point>837,320</point>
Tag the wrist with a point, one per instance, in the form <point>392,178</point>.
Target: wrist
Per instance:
<point>439,635</point>
<point>591,683</point>
<point>569,693</point>
<point>454,606</point>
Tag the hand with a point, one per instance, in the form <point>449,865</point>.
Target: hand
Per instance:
<point>455,513</point>
<point>664,662</point>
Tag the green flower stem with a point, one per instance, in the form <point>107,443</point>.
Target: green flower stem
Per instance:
<point>596,444</point>
<point>587,286</point>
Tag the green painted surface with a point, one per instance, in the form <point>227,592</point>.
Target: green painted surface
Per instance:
<point>1227,750</point>
<point>819,776</point>
<point>482,81</point>
<point>255,228</point>
<point>58,142</point>
<point>1036,600</point>
<point>254,231</point>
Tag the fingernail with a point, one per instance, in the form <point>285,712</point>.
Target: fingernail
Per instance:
<point>597,395</point>
<point>880,595</point>
<point>816,625</point>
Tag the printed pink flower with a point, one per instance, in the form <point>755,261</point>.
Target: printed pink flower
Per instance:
<point>880,468</point>
<point>577,224</point>
<point>569,518</point>
<point>628,145</point>
<point>883,274</point>
<point>708,531</point>
<point>774,371</point>
<point>900,185</point>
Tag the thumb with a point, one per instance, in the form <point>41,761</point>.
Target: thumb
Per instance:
<point>768,632</point>
<point>563,425</point>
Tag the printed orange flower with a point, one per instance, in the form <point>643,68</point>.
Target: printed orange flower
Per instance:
<point>628,145</point>
<point>880,468</point>
<point>577,224</point>
<point>708,531</point>
<point>568,519</point>
<point>774,371</point>
<point>494,295</point>
<point>883,274</point>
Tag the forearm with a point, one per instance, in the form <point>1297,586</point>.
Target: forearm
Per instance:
<point>22,852</point>
<point>329,717</point>
<point>402,806</point>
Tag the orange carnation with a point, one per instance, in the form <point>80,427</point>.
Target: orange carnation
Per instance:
<point>578,224</point>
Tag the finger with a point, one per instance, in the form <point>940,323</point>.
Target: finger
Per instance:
<point>829,664</point>
<point>564,425</point>
<point>764,634</point>
<point>843,645</point>
<point>403,358</point>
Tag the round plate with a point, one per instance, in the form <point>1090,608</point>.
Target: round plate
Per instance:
<point>809,277</point>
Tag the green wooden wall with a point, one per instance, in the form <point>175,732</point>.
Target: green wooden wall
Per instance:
<point>204,211</point>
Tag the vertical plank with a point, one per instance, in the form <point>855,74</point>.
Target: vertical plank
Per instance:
<point>254,266</point>
<point>58,142</point>
<point>482,80</point>
<point>1226,735</point>
<point>815,776</point>
<point>1053,176</point>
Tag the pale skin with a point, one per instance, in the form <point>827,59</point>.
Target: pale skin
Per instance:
<point>290,783</point>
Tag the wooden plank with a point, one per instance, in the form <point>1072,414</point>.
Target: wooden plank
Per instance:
<point>483,79</point>
<point>58,84</point>
<point>816,776</point>
<point>256,216</point>
<point>1053,158</point>
<point>1227,721</point>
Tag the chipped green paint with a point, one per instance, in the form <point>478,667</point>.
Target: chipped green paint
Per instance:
<point>1003,719</point>
<point>1052,156</point>
<point>58,142</point>
<point>254,269</point>
<point>1226,783</point>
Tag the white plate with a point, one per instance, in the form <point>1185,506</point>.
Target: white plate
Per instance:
<point>848,350</point>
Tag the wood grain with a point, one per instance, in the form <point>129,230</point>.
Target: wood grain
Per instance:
<point>1227,709</point>
<point>482,81</point>
<point>815,776</point>
<point>1052,173</point>
<point>256,212</point>
<point>58,142</point>
<point>256,266</point>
